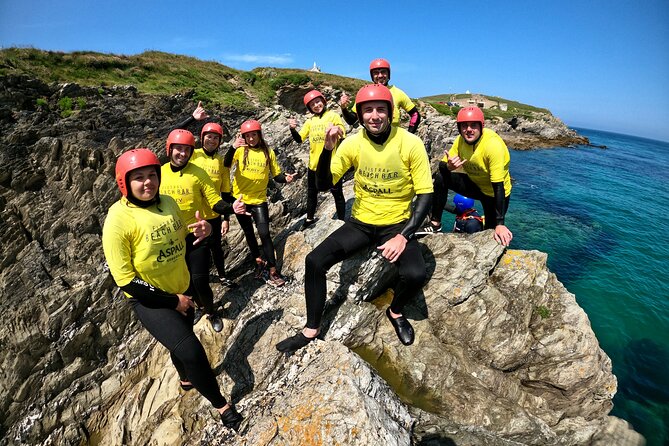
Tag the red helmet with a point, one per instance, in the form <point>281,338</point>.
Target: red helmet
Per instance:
<point>211,127</point>
<point>250,126</point>
<point>471,114</point>
<point>374,92</point>
<point>179,136</point>
<point>313,94</point>
<point>131,160</point>
<point>379,63</point>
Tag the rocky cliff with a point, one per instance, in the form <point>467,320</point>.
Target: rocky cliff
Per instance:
<point>503,353</point>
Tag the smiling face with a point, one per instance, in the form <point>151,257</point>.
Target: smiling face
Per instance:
<point>375,116</point>
<point>316,105</point>
<point>211,141</point>
<point>144,183</point>
<point>470,131</point>
<point>252,138</point>
<point>180,154</point>
<point>380,76</point>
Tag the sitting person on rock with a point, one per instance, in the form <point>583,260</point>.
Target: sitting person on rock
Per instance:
<point>314,129</point>
<point>144,241</point>
<point>379,71</point>
<point>391,168</point>
<point>467,220</point>
<point>211,161</point>
<point>477,166</point>
<point>253,163</point>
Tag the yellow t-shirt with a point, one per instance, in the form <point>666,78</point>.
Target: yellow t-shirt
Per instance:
<point>400,100</point>
<point>314,128</point>
<point>191,188</point>
<point>251,178</point>
<point>487,161</point>
<point>218,173</point>
<point>148,243</point>
<point>386,176</point>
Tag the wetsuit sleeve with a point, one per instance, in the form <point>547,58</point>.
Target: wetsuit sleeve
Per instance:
<point>414,121</point>
<point>150,296</point>
<point>229,155</point>
<point>280,178</point>
<point>185,123</point>
<point>421,208</point>
<point>500,197</point>
<point>350,117</point>
<point>323,172</point>
<point>224,205</point>
<point>227,197</point>
<point>296,135</point>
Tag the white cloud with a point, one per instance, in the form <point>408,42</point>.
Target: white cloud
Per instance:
<point>260,58</point>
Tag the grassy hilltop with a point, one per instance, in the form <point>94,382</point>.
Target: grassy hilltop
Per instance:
<point>155,72</point>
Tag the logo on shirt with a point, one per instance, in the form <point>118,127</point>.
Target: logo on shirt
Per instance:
<point>169,253</point>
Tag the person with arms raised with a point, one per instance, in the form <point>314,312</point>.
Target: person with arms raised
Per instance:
<point>314,128</point>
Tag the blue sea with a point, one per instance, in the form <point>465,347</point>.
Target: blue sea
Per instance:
<point>601,215</point>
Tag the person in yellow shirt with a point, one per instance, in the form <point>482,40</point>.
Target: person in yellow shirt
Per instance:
<point>253,164</point>
<point>391,169</point>
<point>144,242</point>
<point>379,70</point>
<point>314,129</point>
<point>476,166</point>
<point>193,190</point>
<point>211,161</point>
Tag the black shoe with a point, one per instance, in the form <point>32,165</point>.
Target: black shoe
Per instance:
<point>428,229</point>
<point>227,282</point>
<point>293,343</point>
<point>198,316</point>
<point>402,327</point>
<point>216,322</point>
<point>231,418</point>
<point>186,387</point>
<point>306,223</point>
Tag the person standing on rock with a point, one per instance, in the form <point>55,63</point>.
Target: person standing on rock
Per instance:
<point>144,241</point>
<point>391,168</point>
<point>211,161</point>
<point>192,189</point>
<point>379,70</point>
<point>476,166</point>
<point>314,128</point>
<point>253,164</point>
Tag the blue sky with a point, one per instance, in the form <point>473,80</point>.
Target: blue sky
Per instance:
<point>595,64</point>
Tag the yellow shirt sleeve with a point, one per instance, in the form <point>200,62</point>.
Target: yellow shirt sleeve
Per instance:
<point>400,100</point>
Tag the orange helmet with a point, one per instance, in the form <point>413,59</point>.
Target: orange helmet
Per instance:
<point>313,94</point>
<point>180,136</point>
<point>250,126</point>
<point>211,127</point>
<point>471,114</point>
<point>379,63</point>
<point>374,92</point>
<point>131,160</point>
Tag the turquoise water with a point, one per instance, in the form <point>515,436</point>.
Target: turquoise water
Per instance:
<point>600,214</point>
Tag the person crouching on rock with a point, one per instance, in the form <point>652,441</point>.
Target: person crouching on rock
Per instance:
<point>144,241</point>
<point>253,163</point>
<point>484,160</point>
<point>391,167</point>
<point>314,129</point>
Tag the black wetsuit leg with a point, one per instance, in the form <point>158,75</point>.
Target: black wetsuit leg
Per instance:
<point>198,260</point>
<point>340,203</point>
<point>339,245</point>
<point>246,223</point>
<point>175,332</point>
<point>260,213</point>
<point>312,194</point>
<point>215,245</point>
<point>410,266</point>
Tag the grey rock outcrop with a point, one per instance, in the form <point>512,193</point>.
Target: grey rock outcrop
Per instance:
<point>503,353</point>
